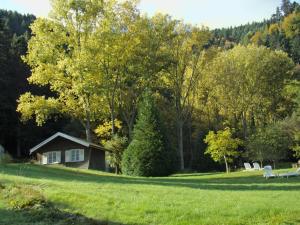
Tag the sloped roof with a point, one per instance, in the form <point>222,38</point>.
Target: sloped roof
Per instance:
<point>68,137</point>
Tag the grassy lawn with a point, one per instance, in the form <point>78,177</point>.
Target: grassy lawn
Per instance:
<point>206,198</point>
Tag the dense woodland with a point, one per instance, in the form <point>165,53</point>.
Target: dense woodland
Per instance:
<point>104,72</point>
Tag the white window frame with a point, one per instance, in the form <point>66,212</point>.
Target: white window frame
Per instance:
<point>74,155</point>
<point>53,157</point>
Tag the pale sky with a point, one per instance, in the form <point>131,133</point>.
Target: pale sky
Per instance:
<point>211,13</point>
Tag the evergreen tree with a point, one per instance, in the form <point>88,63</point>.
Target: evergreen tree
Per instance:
<point>286,7</point>
<point>148,154</point>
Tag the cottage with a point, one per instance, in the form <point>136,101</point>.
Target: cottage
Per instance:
<point>70,151</point>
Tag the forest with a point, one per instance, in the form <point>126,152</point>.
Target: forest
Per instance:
<point>155,89</point>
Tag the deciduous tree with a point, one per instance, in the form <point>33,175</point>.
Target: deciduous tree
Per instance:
<point>222,146</point>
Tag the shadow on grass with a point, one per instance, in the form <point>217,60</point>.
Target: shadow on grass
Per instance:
<point>25,204</point>
<point>47,216</point>
<point>247,182</point>
<point>194,174</point>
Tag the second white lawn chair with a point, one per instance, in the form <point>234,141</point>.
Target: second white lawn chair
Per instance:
<point>268,172</point>
<point>290,174</point>
<point>256,166</point>
<point>248,167</point>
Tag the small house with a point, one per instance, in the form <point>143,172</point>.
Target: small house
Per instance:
<point>70,151</point>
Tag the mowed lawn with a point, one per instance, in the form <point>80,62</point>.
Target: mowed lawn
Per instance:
<point>204,198</point>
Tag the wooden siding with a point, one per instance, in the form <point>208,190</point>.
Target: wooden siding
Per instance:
<point>97,160</point>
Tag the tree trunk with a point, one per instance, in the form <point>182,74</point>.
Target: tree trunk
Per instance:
<point>226,164</point>
<point>112,119</point>
<point>88,126</point>
<point>261,164</point>
<point>244,121</point>
<point>191,145</point>
<point>87,119</point>
<point>274,164</point>
<point>19,153</point>
<point>129,122</point>
<point>88,131</point>
<point>112,111</point>
<point>180,144</point>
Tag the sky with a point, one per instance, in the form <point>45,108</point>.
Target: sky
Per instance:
<point>211,13</point>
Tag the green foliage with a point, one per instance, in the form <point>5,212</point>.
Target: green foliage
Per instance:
<point>245,86</point>
<point>23,197</point>
<point>148,153</point>
<point>104,131</point>
<point>270,143</point>
<point>202,86</point>
<point>291,126</point>
<point>291,25</point>
<point>5,158</point>
<point>39,106</point>
<point>279,32</point>
<point>187,54</point>
<point>61,56</point>
<point>222,146</point>
<point>117,146</point>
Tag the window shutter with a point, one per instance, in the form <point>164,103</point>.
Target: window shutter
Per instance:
<point>81,154</point>
<point>68,156</point>
<point>58,156</point>
<point>45,158</point>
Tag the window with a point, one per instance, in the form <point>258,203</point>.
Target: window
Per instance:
<point>51,157</point>
<point>75,155</point>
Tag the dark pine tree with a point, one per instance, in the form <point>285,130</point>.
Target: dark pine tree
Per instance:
<point>286,7</point>
<point>148,154</point>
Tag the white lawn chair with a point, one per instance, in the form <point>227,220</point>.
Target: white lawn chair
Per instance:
<point>268,172</point>
<point>290,174</point>
<point>248,167</point>
<point>256,166</point>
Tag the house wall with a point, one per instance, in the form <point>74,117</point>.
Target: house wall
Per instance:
<point>61,144</point>
<point>97,160</point>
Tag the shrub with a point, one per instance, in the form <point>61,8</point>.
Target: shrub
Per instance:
<point>5,158</point>
<point>23,197</point>
<point>117,146</point>
<point>29,201</point>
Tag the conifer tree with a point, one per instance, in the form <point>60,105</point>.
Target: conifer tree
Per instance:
<point>148,154</point>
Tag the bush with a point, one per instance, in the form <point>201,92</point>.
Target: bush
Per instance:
<point>30,202</point>
<point>148,153</point>
<point>5,158</point>
<point>117,146</point>
<point>23,197</point>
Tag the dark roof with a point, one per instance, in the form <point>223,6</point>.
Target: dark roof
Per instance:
<point>68,137</point>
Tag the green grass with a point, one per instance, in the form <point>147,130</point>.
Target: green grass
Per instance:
<point>204,198</point>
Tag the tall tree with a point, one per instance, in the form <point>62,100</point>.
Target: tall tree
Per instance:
<point>246,85</point>
<point>117,41</point>
<point>286,7</point>
<point>61,56</point>
<point>186,47</point>
<point>143,67</point>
